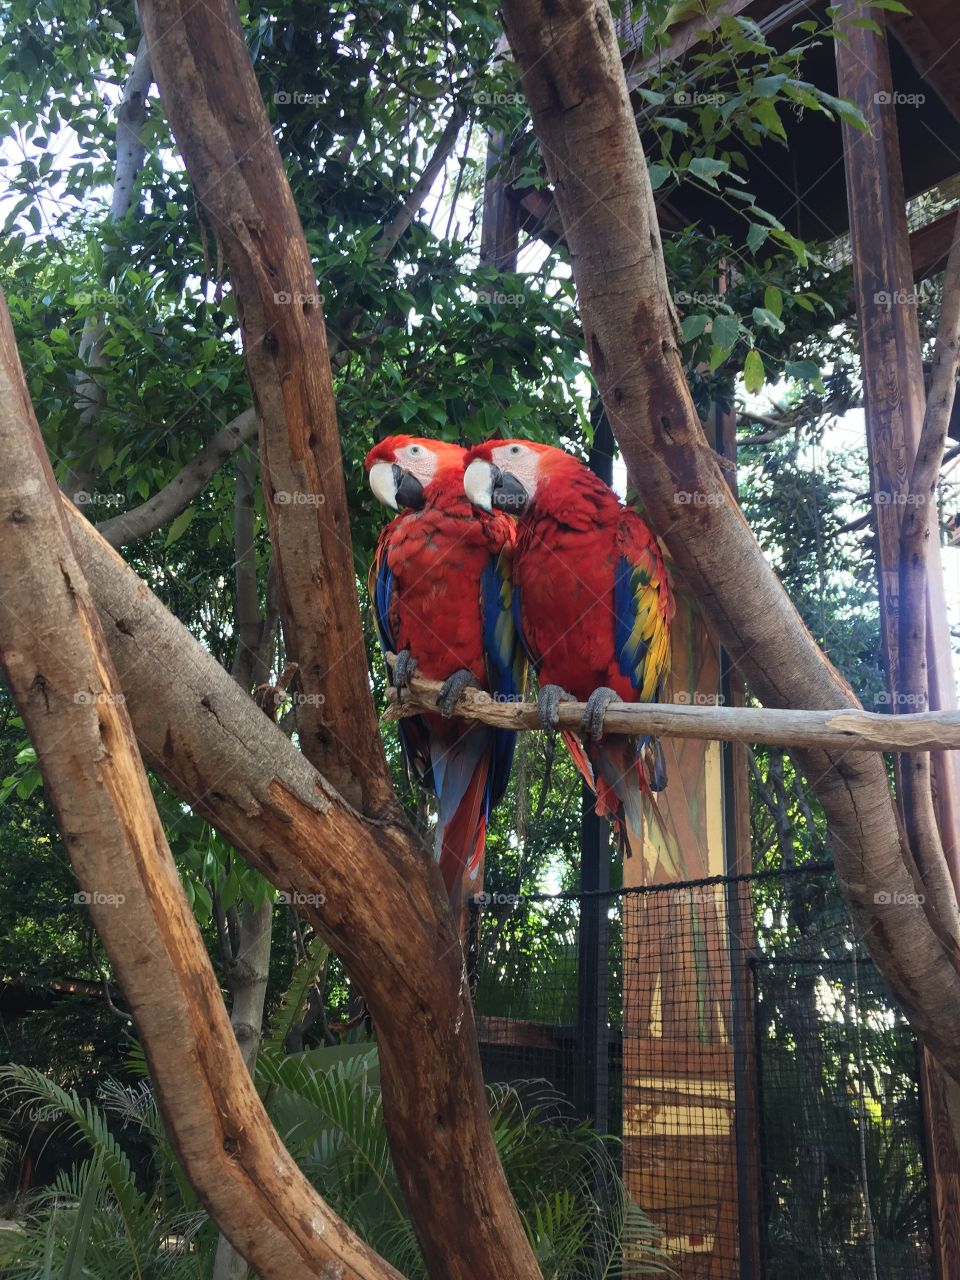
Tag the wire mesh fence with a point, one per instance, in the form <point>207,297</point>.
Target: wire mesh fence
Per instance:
<point>766,1090</point>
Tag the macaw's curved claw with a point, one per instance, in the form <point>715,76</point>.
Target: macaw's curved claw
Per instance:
<point>591,725</point>
<point>403,668</point>
<point>452,688</point>
<point>548,704</point>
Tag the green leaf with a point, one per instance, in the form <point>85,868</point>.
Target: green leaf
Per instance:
<point>180,526</point>
<point>805,371</point>
<point>766,112</point>
<point>706,169</point>
<point>671,122</point>
<point>762,316</point>
<point>756,236</point>
<point>717,357</point>
<point>769,86</point>
<point>659,173</point>
<point>693,326</point>
<point>725,331</point>
<point>847,111</point>
<point>754,374</point>
<point>773,300</point>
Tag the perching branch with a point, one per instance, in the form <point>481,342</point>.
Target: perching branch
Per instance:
<point>841,730</point>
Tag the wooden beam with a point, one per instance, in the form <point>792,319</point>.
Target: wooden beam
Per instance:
<point>929,35</point>
<point>894,402</point>
<point>930,245</point>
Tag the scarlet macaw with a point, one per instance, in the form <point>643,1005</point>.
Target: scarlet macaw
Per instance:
<point>594,607</point>
<point>443,599</point>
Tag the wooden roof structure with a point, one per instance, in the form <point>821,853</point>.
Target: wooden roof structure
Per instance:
<point>804,186</point>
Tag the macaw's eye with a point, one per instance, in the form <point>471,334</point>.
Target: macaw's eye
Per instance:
<point>514,448</point>
<point>414,449</point>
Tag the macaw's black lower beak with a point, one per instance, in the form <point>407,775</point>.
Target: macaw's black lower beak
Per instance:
<point>409,488</point>
<point>508,493</point>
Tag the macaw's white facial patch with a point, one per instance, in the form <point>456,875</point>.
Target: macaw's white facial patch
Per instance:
<point>383,484</point>
<point>419,460</point>
<point>521,462</point>
<point>478,484</point>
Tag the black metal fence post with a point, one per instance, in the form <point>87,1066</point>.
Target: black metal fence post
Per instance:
<point>593,1037</point>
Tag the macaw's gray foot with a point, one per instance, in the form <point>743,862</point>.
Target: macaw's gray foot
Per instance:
<point>404,668</point>
<point>548,704</point>
<point>591,725</point>
<point>452,688</point>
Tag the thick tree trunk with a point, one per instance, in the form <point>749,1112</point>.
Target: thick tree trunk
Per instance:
<point>213,104</point>
<point>367,886</point>
<point>384,913</point>
<point>66,688</point>
<point>573,79</point>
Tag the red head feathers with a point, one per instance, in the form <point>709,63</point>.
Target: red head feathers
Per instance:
<point>406,469</point>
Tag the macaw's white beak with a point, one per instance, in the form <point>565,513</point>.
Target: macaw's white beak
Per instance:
<point>478,483</point>
<point>383,482</point>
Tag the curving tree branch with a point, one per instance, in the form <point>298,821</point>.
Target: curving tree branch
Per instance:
<point>918,522</point>
<point>167,503</point>
<point>572,75</point>
<point>66,688</point>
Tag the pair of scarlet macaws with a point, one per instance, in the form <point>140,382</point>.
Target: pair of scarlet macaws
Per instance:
<point>462,591</point>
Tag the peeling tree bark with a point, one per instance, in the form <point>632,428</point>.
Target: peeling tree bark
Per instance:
<point>227,144</point>
<point>572,75</point>
<point>65,686</point>
<point>383,911</point>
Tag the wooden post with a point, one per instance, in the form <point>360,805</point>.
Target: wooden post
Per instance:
<point>689,1111</point>
<point>894,401</point>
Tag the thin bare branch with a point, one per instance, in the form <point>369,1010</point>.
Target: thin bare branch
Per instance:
<point>841,730</point>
